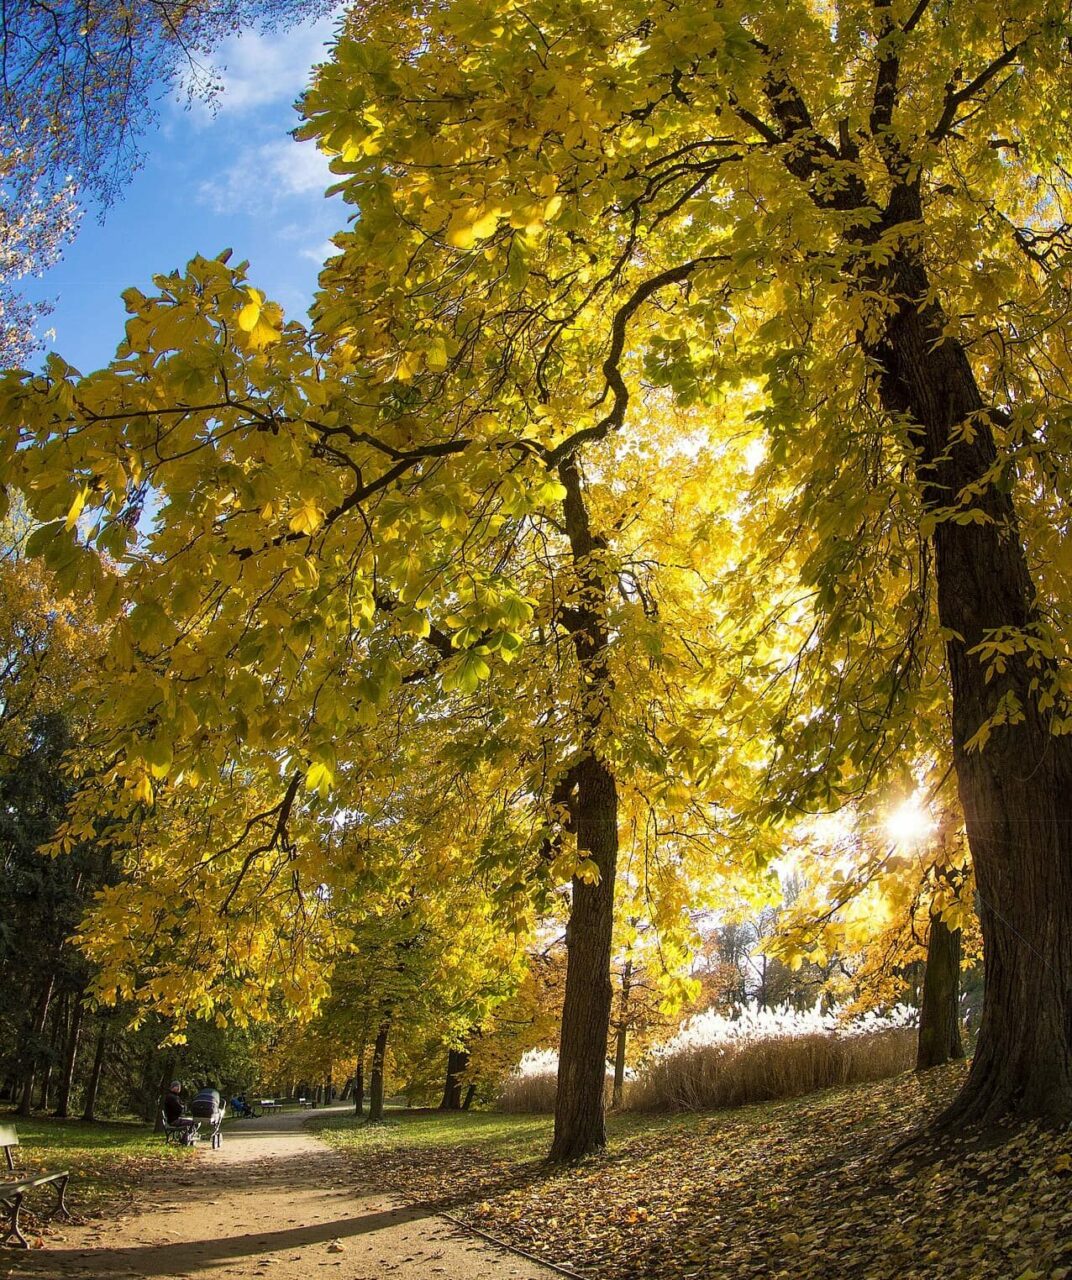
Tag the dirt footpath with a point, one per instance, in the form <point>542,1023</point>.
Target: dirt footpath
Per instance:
<point>272,1203</point>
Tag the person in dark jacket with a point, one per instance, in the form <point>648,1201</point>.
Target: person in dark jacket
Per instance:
<point>175,1112</point>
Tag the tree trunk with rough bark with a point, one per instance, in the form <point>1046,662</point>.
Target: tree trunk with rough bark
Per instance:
<point>470,1094</point>
<point>939,1014</point>
<point>1016,787</point>
<point>582,1058</point>
<point>379,1053</point>
<point>457,1061</point>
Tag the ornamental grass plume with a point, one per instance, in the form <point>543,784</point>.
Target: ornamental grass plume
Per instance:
<point>757,1055</point>
<point>751,1055</point>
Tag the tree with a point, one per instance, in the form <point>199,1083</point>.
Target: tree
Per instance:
<point>737,211</point>
<point>47,650</point>
<point>811,189</point>
<point>38,219</point>
<point>43,900</point>
<point>77,90</point>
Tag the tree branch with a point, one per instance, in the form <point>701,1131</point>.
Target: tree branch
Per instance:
<point>611,365</point>
<point>955,98</point>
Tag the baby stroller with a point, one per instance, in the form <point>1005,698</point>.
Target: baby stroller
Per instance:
<point>208,1109</point>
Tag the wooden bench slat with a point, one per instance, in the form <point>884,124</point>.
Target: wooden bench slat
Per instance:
<point>9,1188</point>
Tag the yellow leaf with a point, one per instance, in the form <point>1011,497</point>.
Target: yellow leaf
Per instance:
<point>486,224</point>
<point>460,232</point>
<point>260,320</point>
<point>319,777</point>
<point>409,363</point>
<point>436,355</point>
<point>307,518</point>
<point>469,225</point>
<point>76,506</point>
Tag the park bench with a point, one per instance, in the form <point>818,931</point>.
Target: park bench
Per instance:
<point>183,1134</point>
<point>12,1193</point>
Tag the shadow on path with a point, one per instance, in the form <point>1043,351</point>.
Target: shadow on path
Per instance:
<point>167,1257</point>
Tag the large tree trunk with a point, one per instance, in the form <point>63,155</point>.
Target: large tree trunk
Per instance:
<point>359,1084</point>
<point>939,1014</point>
<point>379,1053</point>
<point>582,1055</point>
<point>70,1058</point>
<point>457,1061</point>
<point>1016,786</point>
<point>582,1060</point>
<point>89,1111</point>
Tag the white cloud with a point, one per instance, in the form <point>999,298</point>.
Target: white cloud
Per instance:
<point>320,253</point>
<point>267,174</point>
<point>256,70</point>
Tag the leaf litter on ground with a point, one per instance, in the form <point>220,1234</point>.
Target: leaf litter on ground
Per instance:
<point>841,1184</point>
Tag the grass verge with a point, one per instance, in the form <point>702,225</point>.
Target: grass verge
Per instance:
<point>109,1162</point>
<point>809,1189</point>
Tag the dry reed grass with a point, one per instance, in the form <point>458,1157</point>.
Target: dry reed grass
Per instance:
<point>534,1094</point>
<point>705,1077</point>
<point>529,1094</point>
<point>755,1055</point>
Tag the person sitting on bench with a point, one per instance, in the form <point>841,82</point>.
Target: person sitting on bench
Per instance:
<point>175,1112</point>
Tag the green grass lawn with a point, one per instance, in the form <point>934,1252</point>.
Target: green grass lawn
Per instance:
<point>108,1160</point>
<point>496,1135</point>
<point>810,1188</point>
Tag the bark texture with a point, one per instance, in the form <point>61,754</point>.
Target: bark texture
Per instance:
<point>1016,789</point>
<point>457,1062</point>
<point>939,1014</point>
<point>379,1054</point>
<point>582,1061</point>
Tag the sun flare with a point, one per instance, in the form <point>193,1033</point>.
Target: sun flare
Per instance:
<point>910,823</point>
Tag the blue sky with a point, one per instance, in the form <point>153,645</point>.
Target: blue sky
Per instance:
<point>228,178</point>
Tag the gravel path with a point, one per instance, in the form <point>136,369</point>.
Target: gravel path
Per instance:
<point>272,1203</point>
